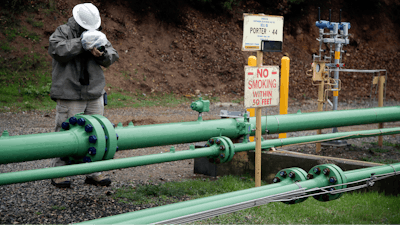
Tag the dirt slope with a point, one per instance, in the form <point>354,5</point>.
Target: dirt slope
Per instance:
<point>200,49</point>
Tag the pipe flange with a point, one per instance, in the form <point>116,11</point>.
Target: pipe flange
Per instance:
<point>90,136</point>
<point>231,149</point>
<point>291,175</point>
<point>111,140</point>
<point>333,175</point>
<point>224,147</point>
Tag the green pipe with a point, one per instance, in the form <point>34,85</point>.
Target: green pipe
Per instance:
<point>186,132</point>
<point>37,146</point>
<point>173,133</point>
<point>132,218</point>
<point>47,173</point>
<point>144,213</point>
<point>154,215</point>
<point>86,168</point>
<point>40,146</point>
<point>314,138</point>
<point>328,119</point>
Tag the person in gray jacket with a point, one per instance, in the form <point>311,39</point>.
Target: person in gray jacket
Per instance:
<point>77,78</point>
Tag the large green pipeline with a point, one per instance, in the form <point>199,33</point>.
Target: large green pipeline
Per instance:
<point>213,151</point>
<point>318,138</point>
<point>41,146</point>
<point>173,133</point>
<point>165,213</point>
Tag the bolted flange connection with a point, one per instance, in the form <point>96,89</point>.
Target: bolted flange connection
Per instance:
<point>291,175</point>
<point>225,149</point>
<point>331,175</point>
<point>90,133</point>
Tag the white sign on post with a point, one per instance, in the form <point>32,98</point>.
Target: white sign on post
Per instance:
<point>258,28</point>
<point>261,87</point>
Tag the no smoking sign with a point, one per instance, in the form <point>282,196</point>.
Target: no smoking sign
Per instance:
<point>261,87</point>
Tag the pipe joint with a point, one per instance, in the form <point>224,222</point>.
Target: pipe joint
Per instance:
<point>331,175</point>
<point>225,149</point>
<point>291,175</point>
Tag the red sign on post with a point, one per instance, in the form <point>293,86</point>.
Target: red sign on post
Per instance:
<point>261,88</point>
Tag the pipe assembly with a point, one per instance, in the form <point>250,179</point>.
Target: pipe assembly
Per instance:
<point>89,143</point>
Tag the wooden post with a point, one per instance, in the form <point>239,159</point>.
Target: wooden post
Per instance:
<point>381,84</point>
<point>320,108</point>
<point>258,132</point>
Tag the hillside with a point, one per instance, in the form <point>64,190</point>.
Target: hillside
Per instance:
<point>183,46</point>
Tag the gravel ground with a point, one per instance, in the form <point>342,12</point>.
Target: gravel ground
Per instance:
<point>39,202</point>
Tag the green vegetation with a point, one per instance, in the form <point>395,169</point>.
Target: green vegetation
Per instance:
<point>169,192</point>
<point>25,83</point>
<point>56,207</point>
<point>378,159</point>
<point>386,143</point>
<point>34,23</point>
<point>349,209</point>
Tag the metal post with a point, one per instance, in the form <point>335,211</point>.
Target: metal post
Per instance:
<point>284,89</point>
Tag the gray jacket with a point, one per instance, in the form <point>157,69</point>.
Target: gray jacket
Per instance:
<point>76,74</point>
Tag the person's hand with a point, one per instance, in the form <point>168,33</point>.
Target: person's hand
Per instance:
<point>96,52</point>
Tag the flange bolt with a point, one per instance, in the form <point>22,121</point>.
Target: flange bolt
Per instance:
<point>310,176</point>
<point>222,148</point>
<point>211,141</point>
<point>92,151</point>
<point>332,180</point>
<point>81,121</point>
<point>106,137</point>
<point>276,180</point>
<point>218,141</point>
<point>117,149</point>
<point>87,159</point>
<point>106,149</point>
<point>207,145</point>
<point>117,136</point>
<point>317,170</point>
<point>92,139</point>
<point>222,156</point>
<point>88,128</point>
<point>283,173</point>
<point>65,126</point>
<point>102,126</point>
<point>73,120</point>
<point>326,171</point>
<point>113,125</point>
<point>292,175</point>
